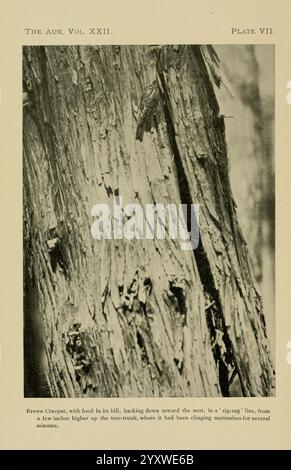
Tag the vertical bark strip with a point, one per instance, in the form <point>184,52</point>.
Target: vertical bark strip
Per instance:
<point>250,136</point>
<point>140,317</point>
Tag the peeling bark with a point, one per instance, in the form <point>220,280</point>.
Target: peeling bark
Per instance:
<point>141,317</point>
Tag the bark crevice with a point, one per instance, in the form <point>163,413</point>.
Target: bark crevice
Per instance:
<point>224,356</point>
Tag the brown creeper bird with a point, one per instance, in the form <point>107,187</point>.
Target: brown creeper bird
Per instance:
<point>148,110</point>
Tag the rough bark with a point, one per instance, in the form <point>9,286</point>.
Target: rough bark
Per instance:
<point>151,319</point>
<point>250,139</point>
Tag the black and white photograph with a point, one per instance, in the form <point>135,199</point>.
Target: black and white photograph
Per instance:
<point>148,220</point>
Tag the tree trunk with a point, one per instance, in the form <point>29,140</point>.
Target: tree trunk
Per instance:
<point>132,318</point>
<point>250,135</point>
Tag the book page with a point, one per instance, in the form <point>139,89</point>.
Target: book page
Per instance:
<point>144,245</point>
